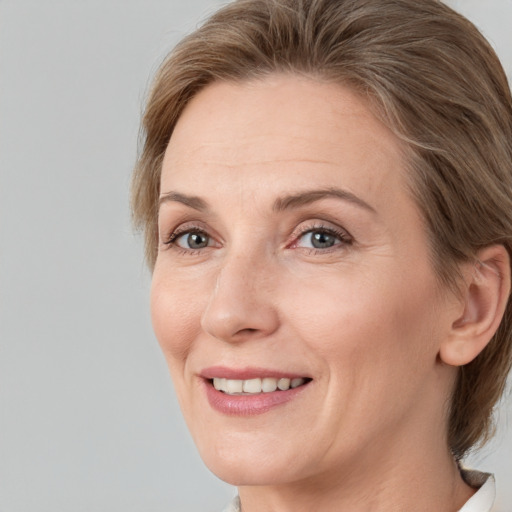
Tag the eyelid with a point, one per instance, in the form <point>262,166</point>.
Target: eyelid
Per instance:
<point>168,237</point>
<point>320,225</point>
<point>342,234</point>
<point>177,234</point>
<point>171,227</point>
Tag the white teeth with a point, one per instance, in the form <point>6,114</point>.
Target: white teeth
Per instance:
<point>219,384</point>
<point>233,386</point>
<point>268,385</point>
<point>283,384</point>
<point>252,386</point>
<point>255,386</point>
<point>297,382</point>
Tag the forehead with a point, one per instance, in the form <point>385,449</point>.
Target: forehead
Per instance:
<point>279,128</point>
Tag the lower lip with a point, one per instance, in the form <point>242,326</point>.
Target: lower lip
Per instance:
<point>249,405</point>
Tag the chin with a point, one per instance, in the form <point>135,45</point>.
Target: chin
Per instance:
<point>249,465</point>
<point>248,473</point>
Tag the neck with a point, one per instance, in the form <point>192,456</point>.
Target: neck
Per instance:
<point>397,475</point>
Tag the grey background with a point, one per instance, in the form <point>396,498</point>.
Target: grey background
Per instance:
<point>88,420</point>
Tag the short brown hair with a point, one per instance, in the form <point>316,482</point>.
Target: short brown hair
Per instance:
<point>427,73</point>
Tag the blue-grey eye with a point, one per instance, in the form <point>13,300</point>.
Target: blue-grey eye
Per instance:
<point>319,239</point>
<point>322,240</point>
<point>193,240</point>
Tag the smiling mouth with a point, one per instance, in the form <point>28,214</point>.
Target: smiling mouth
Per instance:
<point>256,386</point>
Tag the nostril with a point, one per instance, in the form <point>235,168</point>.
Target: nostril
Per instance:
<point>246,331</point>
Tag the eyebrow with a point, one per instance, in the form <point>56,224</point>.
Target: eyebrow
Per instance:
<point>288,202</point>
<point>191,201</point>
<point>311,196</point>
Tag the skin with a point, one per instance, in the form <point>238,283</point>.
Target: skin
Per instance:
<point>365,318</point>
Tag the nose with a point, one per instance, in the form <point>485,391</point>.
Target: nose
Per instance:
<point>241,304</point>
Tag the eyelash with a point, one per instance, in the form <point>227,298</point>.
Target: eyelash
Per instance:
<point>184,230</point>
<point>345,239</point>
<point>343,236</point>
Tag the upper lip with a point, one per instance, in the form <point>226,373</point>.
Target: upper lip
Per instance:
<point>247,373</point>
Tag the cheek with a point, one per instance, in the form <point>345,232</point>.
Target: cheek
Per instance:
<point>175,315</point>
<point>372,319</point>
<point>375,344</point>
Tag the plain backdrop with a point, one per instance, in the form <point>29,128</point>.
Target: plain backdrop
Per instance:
<point>88,420</point>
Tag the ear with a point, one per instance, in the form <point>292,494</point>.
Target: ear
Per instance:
<point>485,294</point>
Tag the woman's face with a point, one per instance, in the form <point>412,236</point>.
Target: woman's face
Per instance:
<point>291,254</point>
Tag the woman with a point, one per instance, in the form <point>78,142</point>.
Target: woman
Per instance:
<point>324,188</point>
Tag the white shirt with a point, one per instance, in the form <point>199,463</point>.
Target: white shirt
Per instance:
<point>481,501</point>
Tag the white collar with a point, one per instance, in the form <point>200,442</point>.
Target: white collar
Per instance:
<point>234,506</point>
<point>483,499</point>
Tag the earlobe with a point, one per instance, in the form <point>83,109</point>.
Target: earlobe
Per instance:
<point>485,295</point>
